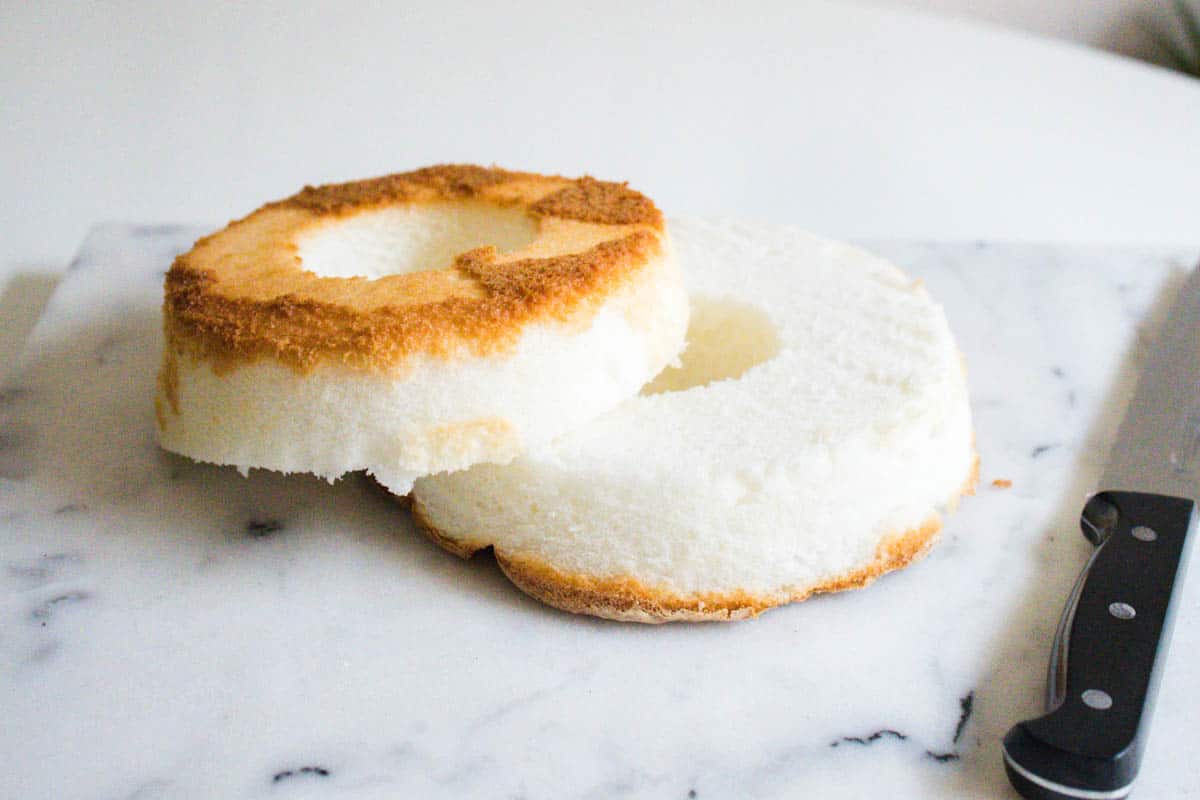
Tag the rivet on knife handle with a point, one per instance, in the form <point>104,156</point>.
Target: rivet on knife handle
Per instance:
<point>1109,652</point>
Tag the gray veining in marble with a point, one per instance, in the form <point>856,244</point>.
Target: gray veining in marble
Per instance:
<point>173,630</point>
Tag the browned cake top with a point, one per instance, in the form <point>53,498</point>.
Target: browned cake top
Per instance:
<point>243,293</point>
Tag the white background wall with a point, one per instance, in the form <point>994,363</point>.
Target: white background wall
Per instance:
<point>1120,26</point>
<point>851,119</point>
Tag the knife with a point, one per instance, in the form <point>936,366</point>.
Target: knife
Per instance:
<point>1113,636</point>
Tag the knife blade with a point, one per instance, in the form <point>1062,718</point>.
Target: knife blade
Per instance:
<point>1113,635</point>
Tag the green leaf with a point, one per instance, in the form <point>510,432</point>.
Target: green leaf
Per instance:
<point>1188,57</point>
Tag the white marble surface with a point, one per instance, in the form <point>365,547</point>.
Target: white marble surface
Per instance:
<point>170,629</point>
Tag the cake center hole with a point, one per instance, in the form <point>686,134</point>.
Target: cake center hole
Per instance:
<point>725,338</point>
<point>412,238</point>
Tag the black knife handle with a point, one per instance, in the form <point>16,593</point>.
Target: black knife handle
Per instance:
<point>1114,638</point>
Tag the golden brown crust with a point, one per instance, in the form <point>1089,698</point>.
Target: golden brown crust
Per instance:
<point>168,388</point>
<point>445,181</point>
<point>628,599</point>
<point>242,293</point>
<point>590,200</point>
<point>624,598</point>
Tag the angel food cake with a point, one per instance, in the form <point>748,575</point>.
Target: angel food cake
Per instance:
<point>816,428</point>
<point>416,323</point>
<point>503,349</point>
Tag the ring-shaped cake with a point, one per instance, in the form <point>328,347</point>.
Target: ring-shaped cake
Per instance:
<point>415,323</point>
<point>816,428</point>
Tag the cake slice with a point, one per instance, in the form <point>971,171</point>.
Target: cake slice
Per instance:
<point>817,428</point>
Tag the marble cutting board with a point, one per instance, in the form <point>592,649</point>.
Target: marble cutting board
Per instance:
<point>174,630</point>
